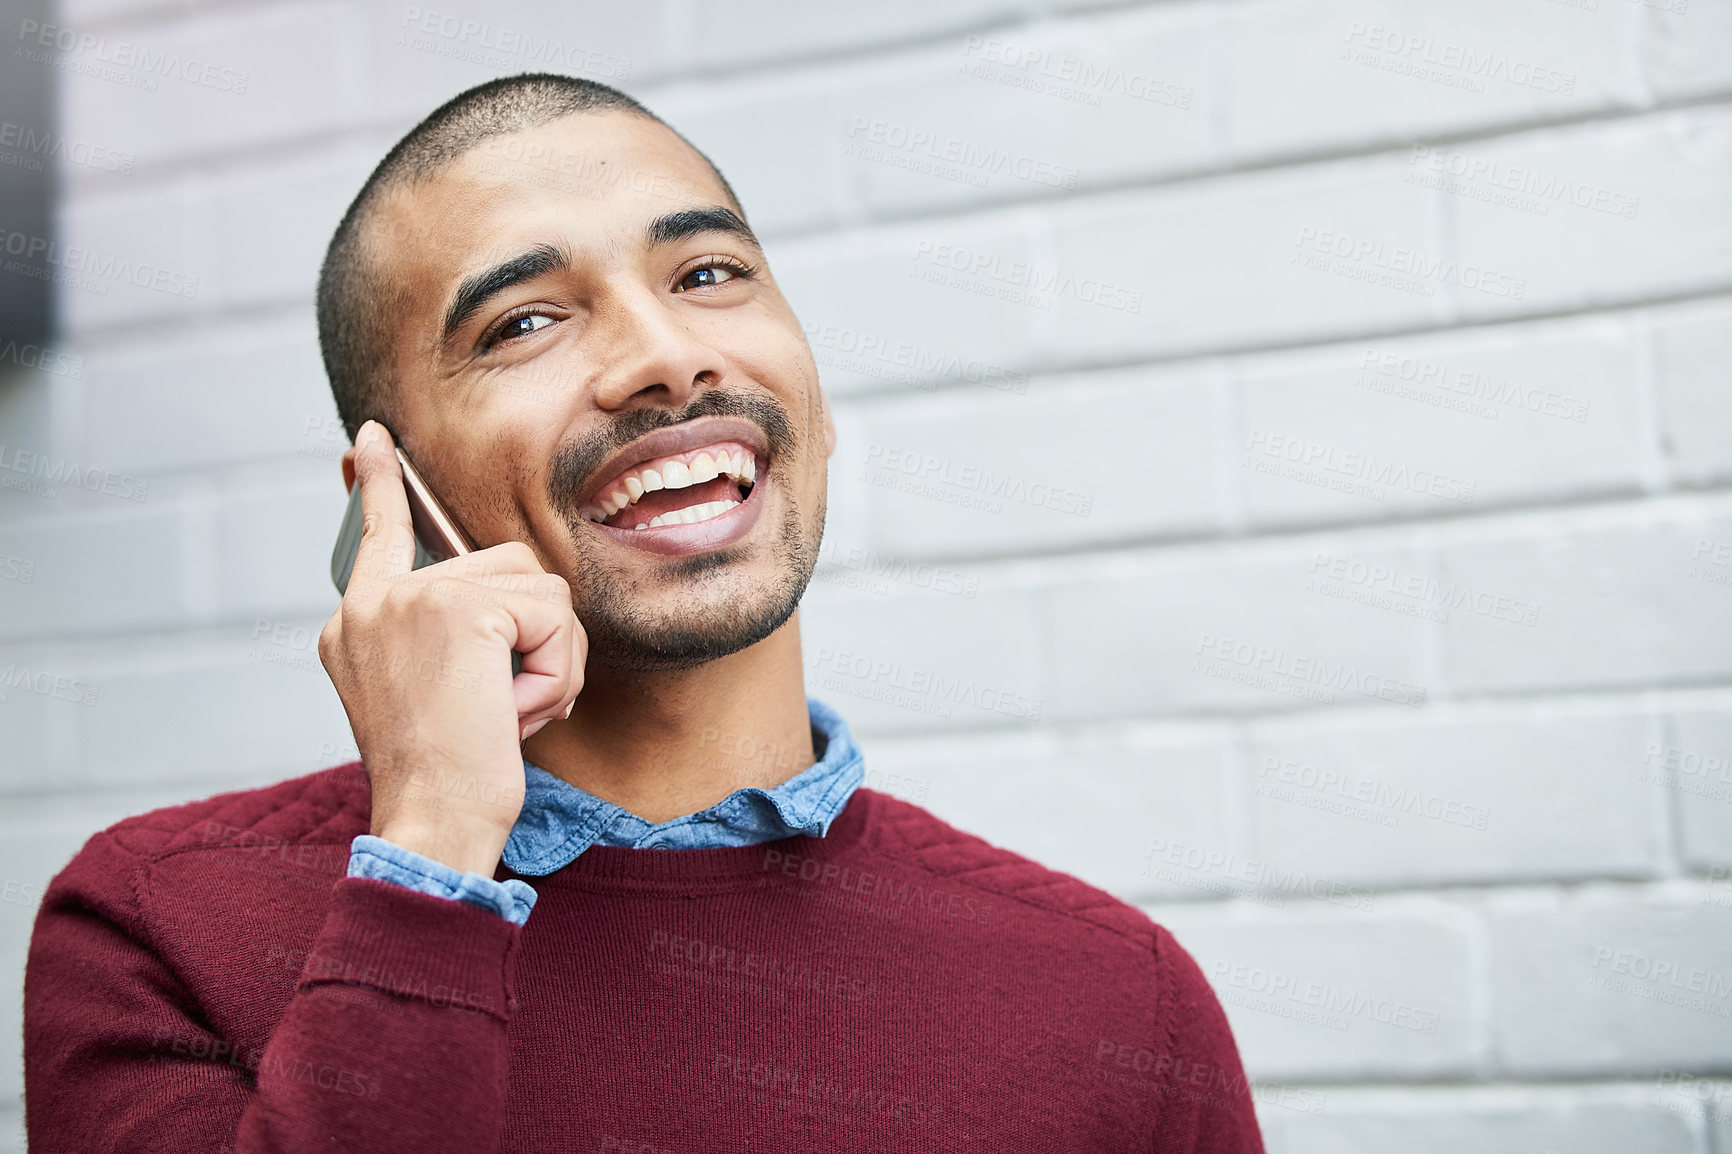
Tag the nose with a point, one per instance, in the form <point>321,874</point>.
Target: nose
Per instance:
<point>650,355</point>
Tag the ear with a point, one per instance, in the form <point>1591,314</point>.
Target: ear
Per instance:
<point>829,425</point>
<point>349,468</point>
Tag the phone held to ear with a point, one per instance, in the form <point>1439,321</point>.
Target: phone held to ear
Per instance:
<point>437,537</point>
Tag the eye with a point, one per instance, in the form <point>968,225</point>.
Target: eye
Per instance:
<point>715,271</point>
<point>519,325</point>
<point>704,278</point>
<point>522,326</point>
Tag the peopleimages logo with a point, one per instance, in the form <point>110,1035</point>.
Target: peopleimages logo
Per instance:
<point>1710,562</point>
<point>1360,797</point>
<point>26,148</point>
<point>904,362</point>
<point>877,571</point>
<point>78,262</point>
<point>60,686</point>
<point>1665,980</point>
<point>1183,863</point>
<point>1679,1092</point>
<point>54,362</point>
<point>1065,76</point>
<point>38,473</point>
<point>872,137</point>
<point>1368,582</point>
<point>1024,281</point>
<point>480,42</point>
<point>84,48</point>
<point>1361,474</point>
<point>1531,190</point>
<point>1275,668</point>
<point>1445,61</point>
<point>1688,771</point>
<point>935,470</point>
<point>891,893</point>
<point>736,967</point>
<point>1362,258</point>
<point>877,679</point>
<point>1178,1076</point>
<point>1320,1003</point>
<point>1465,387</point>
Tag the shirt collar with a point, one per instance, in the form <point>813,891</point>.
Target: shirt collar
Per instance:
<point>559,821</point>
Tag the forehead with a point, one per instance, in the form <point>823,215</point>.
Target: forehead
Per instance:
<point>585,182</point>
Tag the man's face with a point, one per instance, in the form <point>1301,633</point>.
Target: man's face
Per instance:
<point>586,340</point>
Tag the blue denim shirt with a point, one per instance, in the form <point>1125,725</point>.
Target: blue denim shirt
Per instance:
<point>559,821</point>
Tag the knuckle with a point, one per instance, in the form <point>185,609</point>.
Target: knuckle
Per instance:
<point>518,554</point>
<point>351,614</point>
<point>404,600</point>
<point>377,522</point>
<point>330,638</point>
<point>498,618</point>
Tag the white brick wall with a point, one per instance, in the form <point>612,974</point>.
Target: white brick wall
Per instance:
<point>1425,752</point>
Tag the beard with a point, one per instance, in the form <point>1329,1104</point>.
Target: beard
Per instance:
<point>721,613</point>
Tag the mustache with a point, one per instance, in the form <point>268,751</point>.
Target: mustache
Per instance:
<point>576,460</point>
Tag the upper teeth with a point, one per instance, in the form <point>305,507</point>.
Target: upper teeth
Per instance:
<point>668,473</point>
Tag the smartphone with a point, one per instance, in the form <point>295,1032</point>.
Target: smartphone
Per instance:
<point>437,537</point>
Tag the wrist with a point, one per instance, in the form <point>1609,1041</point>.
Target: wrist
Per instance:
<point>467,850</point>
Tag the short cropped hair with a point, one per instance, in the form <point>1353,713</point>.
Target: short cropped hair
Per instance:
<point>354,294</point>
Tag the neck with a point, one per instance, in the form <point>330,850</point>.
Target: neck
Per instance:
<point>663,745</point>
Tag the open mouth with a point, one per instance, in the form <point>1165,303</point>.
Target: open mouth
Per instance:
<point>683,488</point>
<point>693,487</point>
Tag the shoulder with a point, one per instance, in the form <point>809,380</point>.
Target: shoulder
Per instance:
<point>1153,971</point>
<point>919,840</point>
<point>330,806</point>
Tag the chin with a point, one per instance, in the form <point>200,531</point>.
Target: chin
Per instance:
<point>688,627</point>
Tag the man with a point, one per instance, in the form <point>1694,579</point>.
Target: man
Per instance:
<point>462,942</point>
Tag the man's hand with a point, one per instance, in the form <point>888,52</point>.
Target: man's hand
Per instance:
<point>422,662</point>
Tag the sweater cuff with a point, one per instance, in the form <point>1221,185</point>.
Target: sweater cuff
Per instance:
<point>386,861</point>
<point>416,946</point>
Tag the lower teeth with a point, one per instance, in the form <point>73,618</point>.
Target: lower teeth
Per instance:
<point>690,515</point>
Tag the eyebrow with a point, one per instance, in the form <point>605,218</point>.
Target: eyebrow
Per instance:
<point>478,288</point>
<point>687,222</point>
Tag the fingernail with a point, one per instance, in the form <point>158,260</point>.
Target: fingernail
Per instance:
<point>365,435</point>
<point>534,727</point>
<point>569,708</point>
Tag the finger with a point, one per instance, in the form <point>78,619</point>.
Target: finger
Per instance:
<point>552,644</point>
<point>506,576</point>
<point>530,688</point>
<point>387,533</point>
<point>510,567</point>
<point>544,631</point>
<point>578,651</point>
<point>508,557</point>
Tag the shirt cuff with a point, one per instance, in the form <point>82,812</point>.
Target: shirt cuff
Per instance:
<point>386,861</point>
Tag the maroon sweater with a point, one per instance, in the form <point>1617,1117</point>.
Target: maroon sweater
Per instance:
<point>204,978</point>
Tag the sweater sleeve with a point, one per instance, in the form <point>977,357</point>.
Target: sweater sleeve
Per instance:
<point>1205,1100</point>
<point>394,1038</point>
